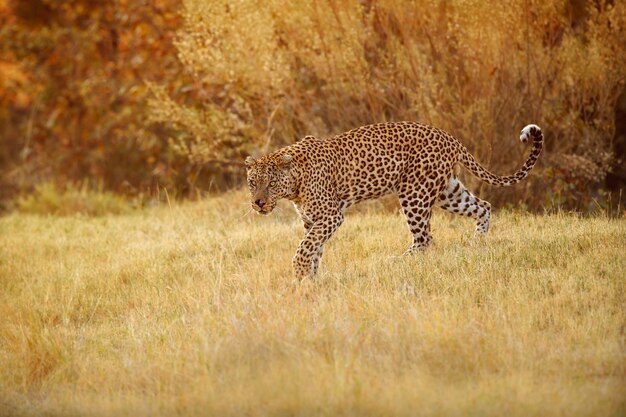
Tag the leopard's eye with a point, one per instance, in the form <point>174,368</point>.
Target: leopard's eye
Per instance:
<point>272,183</point>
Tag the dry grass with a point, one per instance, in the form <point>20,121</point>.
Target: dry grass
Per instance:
<point>191,311</point>
<point>272,72</point>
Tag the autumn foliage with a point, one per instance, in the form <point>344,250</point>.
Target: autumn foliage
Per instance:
<point>73,93</point>
<point>136,96</point>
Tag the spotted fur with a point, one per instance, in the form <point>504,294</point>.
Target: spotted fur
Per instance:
<point>414,161</point>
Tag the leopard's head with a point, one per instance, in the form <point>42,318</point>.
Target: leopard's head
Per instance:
<point>268,180</point>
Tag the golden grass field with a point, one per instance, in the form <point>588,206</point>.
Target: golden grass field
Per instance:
<point>191,310</point>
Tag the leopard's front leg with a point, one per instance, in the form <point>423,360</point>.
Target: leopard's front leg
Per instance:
<point>309,252</point>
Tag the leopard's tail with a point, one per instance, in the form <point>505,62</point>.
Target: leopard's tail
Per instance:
<point>467,160</point>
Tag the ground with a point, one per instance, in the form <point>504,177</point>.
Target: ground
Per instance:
<point>191,310</point>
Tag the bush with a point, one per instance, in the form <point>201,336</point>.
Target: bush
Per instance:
<point>270,74</point>
<point>73,94</point>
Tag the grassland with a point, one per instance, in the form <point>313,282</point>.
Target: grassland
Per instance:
<point>191,310</point>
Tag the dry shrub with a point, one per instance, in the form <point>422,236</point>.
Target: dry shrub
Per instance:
<point>270,74</point>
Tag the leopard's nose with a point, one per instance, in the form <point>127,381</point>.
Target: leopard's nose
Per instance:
<point>260,202</point>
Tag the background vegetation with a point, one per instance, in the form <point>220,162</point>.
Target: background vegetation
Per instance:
<point>191,311</point>
<point>134,97</point>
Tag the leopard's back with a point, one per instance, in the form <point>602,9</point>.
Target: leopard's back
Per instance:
<point>371,161</point>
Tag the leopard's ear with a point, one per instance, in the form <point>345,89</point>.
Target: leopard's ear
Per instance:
<point>249,161</point>
<point>285,160</point>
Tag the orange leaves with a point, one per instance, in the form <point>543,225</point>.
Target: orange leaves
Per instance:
<point>72,83</point>
<point>13,88</point>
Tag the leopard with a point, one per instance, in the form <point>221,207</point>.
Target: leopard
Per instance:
<point>416,162</point>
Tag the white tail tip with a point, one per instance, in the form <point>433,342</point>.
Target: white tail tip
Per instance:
<point>526,132</point>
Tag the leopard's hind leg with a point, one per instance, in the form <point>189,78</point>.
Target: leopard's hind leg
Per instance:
<point>459,200</point>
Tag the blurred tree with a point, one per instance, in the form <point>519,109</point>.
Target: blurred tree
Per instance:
<point>73,92</point>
